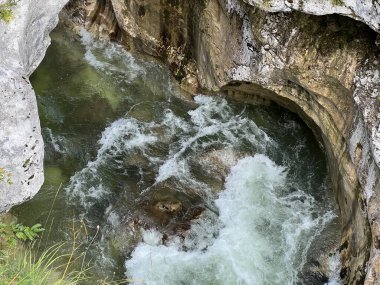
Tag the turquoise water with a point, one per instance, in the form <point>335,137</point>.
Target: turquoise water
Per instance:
<point>122,146</point>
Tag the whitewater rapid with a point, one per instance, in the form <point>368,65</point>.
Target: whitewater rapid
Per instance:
<point>263,237</point>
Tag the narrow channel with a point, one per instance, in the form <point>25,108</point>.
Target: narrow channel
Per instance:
<point>163,189</point>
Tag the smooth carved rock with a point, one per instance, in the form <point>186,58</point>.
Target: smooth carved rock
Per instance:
<point>23,43</point>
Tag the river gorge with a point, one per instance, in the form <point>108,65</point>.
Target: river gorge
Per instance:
<point>199,143</point>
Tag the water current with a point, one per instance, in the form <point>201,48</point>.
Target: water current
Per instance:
<point>164,189</point>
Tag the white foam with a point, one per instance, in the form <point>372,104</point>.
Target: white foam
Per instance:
<point>213,116</point>
<point>57,142</point>
<point>334,268</point>
<point>260,242</point>
<point>152,237</point>
<point>86,186</point>
<point>125,134</point>
<point>110,58</point>
<point>264,229</point>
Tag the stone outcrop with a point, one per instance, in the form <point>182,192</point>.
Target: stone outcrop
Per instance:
<point>324,68</point>
<point>365,11</point>
<point>23,43</point>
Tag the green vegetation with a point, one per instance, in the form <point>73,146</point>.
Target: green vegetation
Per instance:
<point>24,268</point>
<point>5,176</point>
<point>13,232</point>
<point>6,12</point>
<point>338,2</point>
<point>21,264</point>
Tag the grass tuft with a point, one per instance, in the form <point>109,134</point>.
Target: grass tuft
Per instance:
<point>66,263</point>
<point>23,267</point>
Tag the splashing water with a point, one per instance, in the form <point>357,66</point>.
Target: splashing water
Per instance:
<point>264,229</point>
<point>212,119</point>
<point>334,268</point>
<point>118,137</point>
<point>110,58</point>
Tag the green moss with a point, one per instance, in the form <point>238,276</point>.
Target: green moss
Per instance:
<point>267,2</point>
<point>6,12</point>
<point>338,2</point>
<point>5,176</point>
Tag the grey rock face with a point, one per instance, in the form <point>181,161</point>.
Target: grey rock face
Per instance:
<point>366,11</point>
<point>23,43</point>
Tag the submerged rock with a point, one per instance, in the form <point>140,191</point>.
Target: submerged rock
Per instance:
<point>169,206</point>
<point>219,162</point>
<point>214,166</point>
<point>172,206</point>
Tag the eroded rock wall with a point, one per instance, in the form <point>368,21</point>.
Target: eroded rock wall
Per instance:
<point>324,68</point>
<point>313,66</point>
<point>23,43</point>
<point>366,11</point>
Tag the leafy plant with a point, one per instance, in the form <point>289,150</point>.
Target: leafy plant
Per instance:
<point>10,233</point>
<point>6,12</point>
<point>26,233</point>
<point>22,264</point>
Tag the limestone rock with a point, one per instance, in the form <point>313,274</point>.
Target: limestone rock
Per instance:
<point>23,43</point>
<point>218,162</point>
<point>366,11</point>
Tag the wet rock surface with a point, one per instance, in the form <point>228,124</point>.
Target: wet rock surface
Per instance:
<point>218,163</point>
<point>366,11</point>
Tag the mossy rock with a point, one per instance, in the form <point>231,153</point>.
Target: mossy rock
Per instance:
<point>338,2</point>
